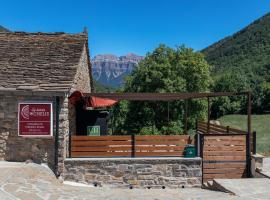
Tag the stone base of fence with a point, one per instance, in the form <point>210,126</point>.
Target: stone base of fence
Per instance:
<point>169,172</point>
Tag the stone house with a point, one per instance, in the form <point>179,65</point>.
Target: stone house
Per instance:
<point>41,67</point>
<point>45,69</point>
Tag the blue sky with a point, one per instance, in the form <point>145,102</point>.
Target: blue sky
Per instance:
<point>123,26</point>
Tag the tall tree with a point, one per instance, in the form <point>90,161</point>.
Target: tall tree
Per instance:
<point>166,70</point>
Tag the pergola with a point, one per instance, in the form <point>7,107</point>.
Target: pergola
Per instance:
<point>178,96</point>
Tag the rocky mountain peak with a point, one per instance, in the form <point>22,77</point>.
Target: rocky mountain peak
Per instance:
<point>110,69</point>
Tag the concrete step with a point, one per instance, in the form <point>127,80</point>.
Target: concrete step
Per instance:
<point>243,187</point>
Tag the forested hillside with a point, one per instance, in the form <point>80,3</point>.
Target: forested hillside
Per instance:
<point>245,50</point>
<point>242,62</point>
<point>3,29</point>
<point>99,87</point>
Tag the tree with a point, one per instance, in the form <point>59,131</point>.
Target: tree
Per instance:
<point>166,70</point>
<point>229,82</point>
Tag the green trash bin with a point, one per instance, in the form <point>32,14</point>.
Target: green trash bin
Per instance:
<point>189,151</point>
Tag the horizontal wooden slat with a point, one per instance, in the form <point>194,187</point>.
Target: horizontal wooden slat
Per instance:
<point>102,149</point>
<point>158,154</point>
<point>100,138</point>
<point>224,176</point>
<point>161,137</point>
<point>225,137</point>
<point>151,148</point>
<point>224,158</point>
<point>100,143</point>
<point>224,165</point>
<point>100,154</point>
<point>224,148</point>
<point>225,143</point>
<point>224,170</point>
<point>224,153</point>
<point>156,142</point>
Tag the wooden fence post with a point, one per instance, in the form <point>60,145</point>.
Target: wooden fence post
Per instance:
<point>248,157</point>
<point>228,129</point>
<point>133,143</point>
<point>254,142</point>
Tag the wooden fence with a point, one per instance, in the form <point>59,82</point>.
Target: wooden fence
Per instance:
<point>224,151</point>
<point>129,146</point>
<point>224,156</point>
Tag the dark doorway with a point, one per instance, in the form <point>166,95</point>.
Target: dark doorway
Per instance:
<point>91,122</point>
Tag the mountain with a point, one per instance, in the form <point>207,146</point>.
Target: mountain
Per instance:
<point>246,51</point>
<point>110,70</point>
<point>3,29</point>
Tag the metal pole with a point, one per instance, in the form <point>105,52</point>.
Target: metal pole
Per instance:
<point>56,136</point>
<point>249,133</point>
<point>186,116</point>
<point>168,112</point>
<point>249,113</point>
<point>254,142</point>
<point>197,143</point>
<point>208,115</point>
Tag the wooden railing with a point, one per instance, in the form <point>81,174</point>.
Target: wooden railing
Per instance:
<point>204,127</point>
<point>129,146</point>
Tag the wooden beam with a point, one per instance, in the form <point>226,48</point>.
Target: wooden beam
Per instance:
<point>160,96</point>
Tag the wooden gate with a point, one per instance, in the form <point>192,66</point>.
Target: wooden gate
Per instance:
<point>224,156</point>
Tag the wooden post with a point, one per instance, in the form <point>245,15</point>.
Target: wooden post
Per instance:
<point>133,143</point>
<point>254,142</point>
<point>208,115</point>
<point>249,113</point>
<point>228,129</point>
<point>249,133</point>
<point>168,112</point>
<point>186,116</point>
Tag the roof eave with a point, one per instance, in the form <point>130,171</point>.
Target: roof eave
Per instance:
<point>34,93</point>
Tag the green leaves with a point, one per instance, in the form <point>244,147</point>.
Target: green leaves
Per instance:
<point>166,70</point>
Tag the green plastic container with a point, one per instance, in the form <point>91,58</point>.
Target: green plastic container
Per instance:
<point>189,151</point>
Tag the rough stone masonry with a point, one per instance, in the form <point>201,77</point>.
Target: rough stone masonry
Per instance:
<point>135,172</point>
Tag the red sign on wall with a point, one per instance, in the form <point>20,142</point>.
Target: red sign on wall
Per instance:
<point>35,119</point>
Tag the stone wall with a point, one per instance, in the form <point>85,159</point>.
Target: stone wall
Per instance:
<point>83,76</point>
<point>63,139</point>
<point>82,82</point>
<point>136,172</point>
<point>17,148</point>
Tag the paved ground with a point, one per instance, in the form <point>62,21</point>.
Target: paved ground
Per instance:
<point>250,188</point>
<point>266,167</point>
<point>34,182</point>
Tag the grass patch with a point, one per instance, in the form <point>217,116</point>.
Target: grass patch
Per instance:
<point>259,123</point>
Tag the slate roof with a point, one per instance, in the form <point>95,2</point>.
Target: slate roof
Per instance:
<point>39,61</point>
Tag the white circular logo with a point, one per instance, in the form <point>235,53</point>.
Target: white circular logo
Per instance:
<point>25,112</point>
